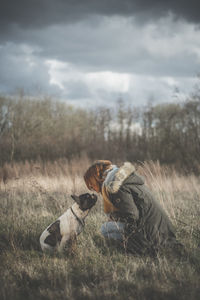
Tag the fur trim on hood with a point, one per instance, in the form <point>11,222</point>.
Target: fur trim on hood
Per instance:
<point>116,177</point>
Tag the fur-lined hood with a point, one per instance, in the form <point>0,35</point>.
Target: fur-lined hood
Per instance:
<point>117,176</point>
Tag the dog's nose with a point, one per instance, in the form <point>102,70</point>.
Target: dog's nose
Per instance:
<point>94,196</point>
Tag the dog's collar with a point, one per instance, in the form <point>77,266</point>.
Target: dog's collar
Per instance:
<point>77,218</point>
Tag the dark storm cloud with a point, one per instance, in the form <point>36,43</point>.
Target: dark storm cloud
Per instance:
<point>38,13</point>
<point>20,68</point>
<point>117,45</point>
<point>67,47</point>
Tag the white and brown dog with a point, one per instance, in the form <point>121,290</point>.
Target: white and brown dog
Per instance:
<point>65,229</point>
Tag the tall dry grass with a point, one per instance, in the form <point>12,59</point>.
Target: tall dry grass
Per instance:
<point>37,194</point>
<point>59,168</point>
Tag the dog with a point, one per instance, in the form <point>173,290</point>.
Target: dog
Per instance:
<point>62,233</point>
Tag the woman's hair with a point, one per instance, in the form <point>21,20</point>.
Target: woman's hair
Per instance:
<point>96,171</point>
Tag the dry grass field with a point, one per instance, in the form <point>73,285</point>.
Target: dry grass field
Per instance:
<point>34,195</point>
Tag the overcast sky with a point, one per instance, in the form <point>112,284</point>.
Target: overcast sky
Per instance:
<point>93,52</point>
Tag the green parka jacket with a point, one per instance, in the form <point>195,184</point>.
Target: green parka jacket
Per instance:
<point>147,226</point>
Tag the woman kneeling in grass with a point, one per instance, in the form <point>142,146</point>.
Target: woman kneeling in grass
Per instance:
<point>136,220</point>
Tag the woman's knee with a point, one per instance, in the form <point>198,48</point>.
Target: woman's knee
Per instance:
<point>113,230</point>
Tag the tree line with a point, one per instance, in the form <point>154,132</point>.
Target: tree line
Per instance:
<point>46,129</point>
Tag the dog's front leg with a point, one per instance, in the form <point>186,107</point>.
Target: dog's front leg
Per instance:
<point>68,243</point>
<point>72,244</point>
<point>63,243</point>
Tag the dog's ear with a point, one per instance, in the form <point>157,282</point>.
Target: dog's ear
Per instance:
<point>76,199</point>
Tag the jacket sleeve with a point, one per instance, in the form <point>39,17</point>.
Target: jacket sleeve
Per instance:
<point>127,210</point>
